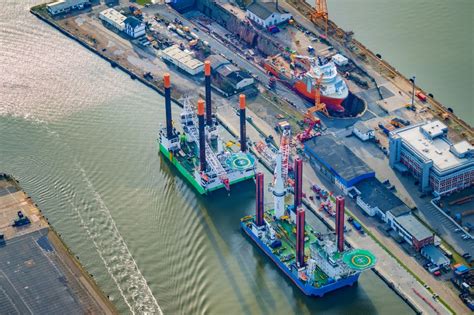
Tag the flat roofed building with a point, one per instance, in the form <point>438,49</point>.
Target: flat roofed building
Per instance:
<point>337,161</point>
<point>377,200</point>
<point>340,60</point>
<point>64,6</point>
<point>439,165</point>
<point>266,14</point>
<point>113,18</point>
<point>435,256</point>
<point>183,59</point>
<point>412,231</point>
<point>362,131</point>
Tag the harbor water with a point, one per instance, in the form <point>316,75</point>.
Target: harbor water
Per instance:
<point>80,137</point>
<point>429,39</point>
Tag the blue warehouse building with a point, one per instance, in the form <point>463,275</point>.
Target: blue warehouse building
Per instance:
<point>337,161</point>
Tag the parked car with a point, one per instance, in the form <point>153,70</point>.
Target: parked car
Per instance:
<point>437,273</point>
<point>433,268</point>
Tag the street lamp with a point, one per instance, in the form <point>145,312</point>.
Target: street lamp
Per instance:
<point>412,79</point>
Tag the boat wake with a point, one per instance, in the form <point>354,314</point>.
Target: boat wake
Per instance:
<point>99,225</point>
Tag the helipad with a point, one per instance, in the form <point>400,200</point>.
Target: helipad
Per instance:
<point>359,259</point>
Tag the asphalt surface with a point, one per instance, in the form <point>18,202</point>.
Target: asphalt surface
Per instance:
<point>30,281</point>
<point>217,46</point>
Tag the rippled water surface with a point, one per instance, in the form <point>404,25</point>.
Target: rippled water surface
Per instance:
<point>80,137</point>
<point>431,39</point>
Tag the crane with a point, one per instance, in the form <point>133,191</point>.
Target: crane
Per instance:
<point>320,107</point>
<point>211,158</point>
<point>309,115</point>
<point>285,152</point>
<point>321,12</point>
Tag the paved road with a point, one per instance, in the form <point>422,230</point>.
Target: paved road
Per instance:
<point>444,227</point>
<point>218,47</point>
<point>403,280</point>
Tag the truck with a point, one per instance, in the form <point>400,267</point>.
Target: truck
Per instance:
<point>399,122</point>
<point>421,96</point>
<point>386,128</point>
<point>355,224</point>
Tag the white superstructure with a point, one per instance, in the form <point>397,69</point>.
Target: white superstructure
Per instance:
<point>332,84</point>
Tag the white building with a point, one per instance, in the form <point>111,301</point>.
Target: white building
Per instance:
<point>113,18</point>
<point>63,6</point>
<point>183,59</point>
<point>266,14</point>
<point>377,200</point>
<point>340,60</point>
<point>425,150</point>
<point>362,131</point>
<point>435,256</point>
<point>134,27</point>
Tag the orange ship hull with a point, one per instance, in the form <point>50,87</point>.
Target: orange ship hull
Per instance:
<point>332,104</point>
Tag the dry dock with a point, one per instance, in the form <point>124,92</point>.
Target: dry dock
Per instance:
<point>38,274</point>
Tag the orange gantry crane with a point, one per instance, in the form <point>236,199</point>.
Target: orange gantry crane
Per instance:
<point>321,12</point>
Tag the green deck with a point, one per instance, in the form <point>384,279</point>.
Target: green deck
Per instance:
<point>356,259</point>
<point>183,168</point>
<point>186,168</point>
<point>286,233</point>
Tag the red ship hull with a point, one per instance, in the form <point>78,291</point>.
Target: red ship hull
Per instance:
<point>332,104</point>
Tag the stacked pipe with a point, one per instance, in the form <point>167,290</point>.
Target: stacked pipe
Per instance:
<point>300,218</point>
<point>243,131</point>
<point>259,205</point>
<point>298,168</point>
<point>340,223</point>
<point>202,136</point>
<point>207,75</point>
<point>169,125</point>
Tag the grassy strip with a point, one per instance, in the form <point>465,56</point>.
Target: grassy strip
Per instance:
<point>143,2</point>
<point>456,256</point>
<point>396,258</point>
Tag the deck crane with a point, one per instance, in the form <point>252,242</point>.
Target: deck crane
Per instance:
<point>285,152</point>
<point>321,12</point>
<point>211,158</point>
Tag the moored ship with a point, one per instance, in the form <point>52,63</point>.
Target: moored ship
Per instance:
<point>316,263</point>
<point>303,74</point>
<point>197,150</point>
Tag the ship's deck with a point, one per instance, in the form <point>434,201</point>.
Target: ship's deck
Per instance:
<point>283,66</point>
<point>188,156</point>
<point>286,233</point>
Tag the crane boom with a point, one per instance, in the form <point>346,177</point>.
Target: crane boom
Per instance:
<point>211,158</point>
<point>285,152</point>
<point>321,12</point>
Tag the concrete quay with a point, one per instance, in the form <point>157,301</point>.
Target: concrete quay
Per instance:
<point>136,61</point>
<point>38,273</point>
